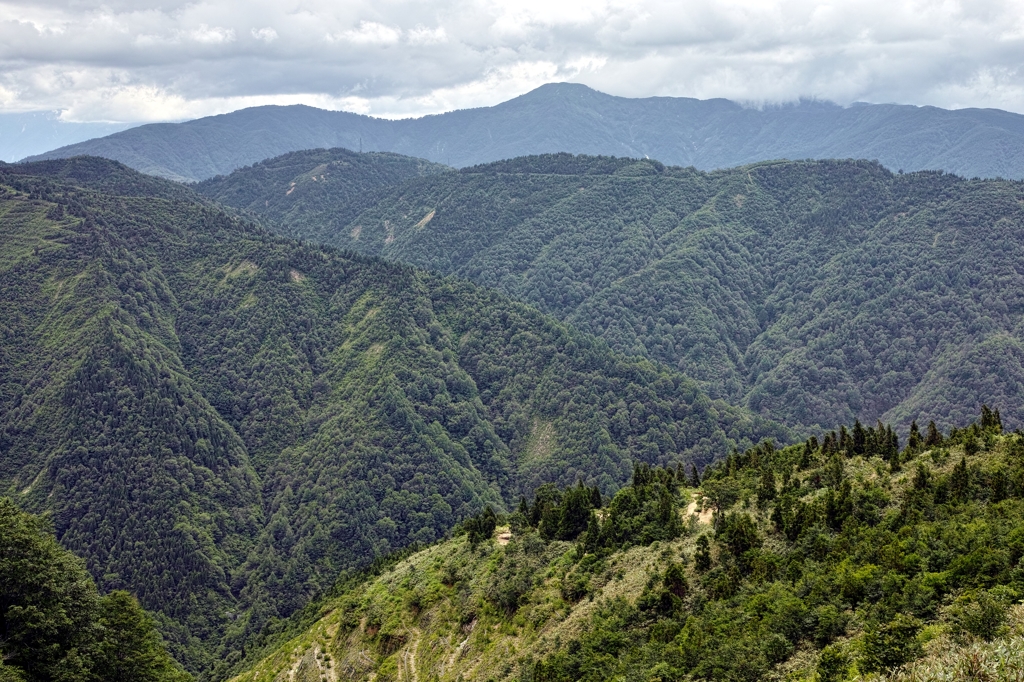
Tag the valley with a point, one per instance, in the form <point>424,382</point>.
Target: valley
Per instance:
<point>220,420</point>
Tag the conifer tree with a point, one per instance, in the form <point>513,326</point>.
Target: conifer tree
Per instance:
<point>914,440</point>
<point>859,440</point>
<point>766,489</point>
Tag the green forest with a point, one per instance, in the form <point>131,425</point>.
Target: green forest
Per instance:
<point>340,415</point>
<point>808,292</point>
<point>219,420</point>
<point>853,556</point>
<point>54,624</point>
<point>316,186</point>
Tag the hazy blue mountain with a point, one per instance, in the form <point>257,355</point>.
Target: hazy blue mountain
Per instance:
<point>37,131</point>
<point>707,134</point>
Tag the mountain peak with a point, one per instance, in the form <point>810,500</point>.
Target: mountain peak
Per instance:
<point>574,118</point>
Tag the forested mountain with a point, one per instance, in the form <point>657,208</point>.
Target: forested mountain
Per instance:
<point>315,186</point>
<point>220,420</point>
<point>846,559</point>
<point>805,291</point>
<point>564,117</point>
<point>54,625</point>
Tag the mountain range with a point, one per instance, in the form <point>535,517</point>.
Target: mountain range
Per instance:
<point>220,420</point>
<point>340,414</point>
<point>808,291</point>
<point>563,117</point>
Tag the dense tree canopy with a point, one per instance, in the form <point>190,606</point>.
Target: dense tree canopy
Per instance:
<point>55,626</point>
<point>221,420</point>
<point>809,292</point>
<point>838,558</point>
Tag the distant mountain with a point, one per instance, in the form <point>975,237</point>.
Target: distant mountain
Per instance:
<point>220,420</point>
<point>36,132</point>
<point>808,291</point>
<point>562,117</point>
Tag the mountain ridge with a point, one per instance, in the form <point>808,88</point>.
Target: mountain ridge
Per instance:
<point>845,558</point>
<point>803,290</point>
<point>565,117</point>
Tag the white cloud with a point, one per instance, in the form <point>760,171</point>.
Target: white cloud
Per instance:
<point>266,34</point>
<point>422,35</point>
<point>368,33</point>
<point>150,60</point>
<point>212,35</point>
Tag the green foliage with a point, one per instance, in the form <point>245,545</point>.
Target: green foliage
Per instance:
<point>702,557</point>
<point>480,527</point>
<point>314,187</point>
<point>741,278</point>
<point>54,625</point>
<point>889,645</point>
<point>644,512</point>
<point>563,515</point>
<point>833,664</point>
<point>977,614</point>
<point>849,569</point>
<point>221,421</point>
<point>848,556</point>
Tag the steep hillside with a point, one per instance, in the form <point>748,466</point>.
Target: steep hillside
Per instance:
<point>832,560</point>
<point>220,420</point>
<point>807,291</point>
<point>563,117</point>
<point>315,186</point>
<point>56,626</point>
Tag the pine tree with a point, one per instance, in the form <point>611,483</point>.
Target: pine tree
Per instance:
<point>914,439</point>
<point>834,471</point>
<point>806,455</point>
<point>859,440</point>
<point>991,421</point>
<point>702,557</point>
<point>845,442</point>
<point>766,489</point>
<point>960,480</point>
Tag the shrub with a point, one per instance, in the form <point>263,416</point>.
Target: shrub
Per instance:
<point>891,644</point>
<point>978,615</point>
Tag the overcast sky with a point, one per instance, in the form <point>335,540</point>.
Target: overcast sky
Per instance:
<point>151,60</point>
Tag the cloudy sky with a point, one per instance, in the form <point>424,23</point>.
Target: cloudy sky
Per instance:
<point>153,60</point>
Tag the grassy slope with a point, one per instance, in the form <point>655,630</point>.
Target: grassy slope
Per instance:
<point>808,291</point>
<point>221,420</point>
<point>431,616</point>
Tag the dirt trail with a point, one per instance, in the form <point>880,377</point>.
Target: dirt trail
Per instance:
<point>458,650</point>
<point>704,516</point>
<point>407,669</point>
